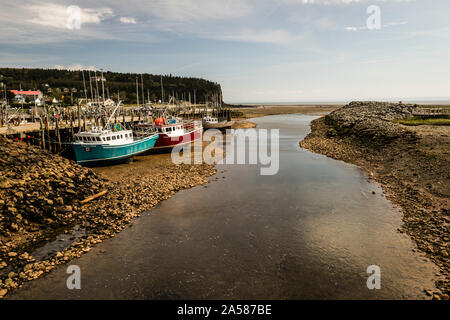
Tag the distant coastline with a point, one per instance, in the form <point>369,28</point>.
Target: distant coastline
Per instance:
<point>424,101</point>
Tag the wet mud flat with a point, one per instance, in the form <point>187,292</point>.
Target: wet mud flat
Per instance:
<point>45,219</point>
<point>308,232</point>
<point>411,163</point>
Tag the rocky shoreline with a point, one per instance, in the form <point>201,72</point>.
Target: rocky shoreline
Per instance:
<point>411,164</point>
<point>45,195</point>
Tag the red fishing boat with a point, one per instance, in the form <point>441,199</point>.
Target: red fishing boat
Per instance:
<point>172,132</point>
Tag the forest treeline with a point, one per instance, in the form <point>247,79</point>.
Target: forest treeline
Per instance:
<point>66,84</point>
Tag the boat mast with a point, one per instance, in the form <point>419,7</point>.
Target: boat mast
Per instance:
<point>103,88</point>
<point>162,91</point>
<point>112,114</point>
<point>90,84</point>
<point>190,107</point>
<point>143,92</point>
<point>85,94</point>
<point>96,86</point>
<point>137,91</point>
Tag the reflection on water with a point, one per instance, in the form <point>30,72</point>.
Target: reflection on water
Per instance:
<point>308,232</point>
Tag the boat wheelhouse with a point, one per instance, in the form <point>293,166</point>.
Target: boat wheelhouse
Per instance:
<point>214,123</point>
<point>110,137</point>
<point>100,146</point>
<point>210,120</point>
<point>110,144</point>
<point>171,132</point>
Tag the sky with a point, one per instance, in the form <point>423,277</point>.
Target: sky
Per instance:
<point>258,50</point>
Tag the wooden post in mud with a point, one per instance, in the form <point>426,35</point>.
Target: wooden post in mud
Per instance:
<point>79,116</point>
<point>71,124</point>
<point>84,122</point>
<point>47,129</point>
<point>98,195</point>
<point>42,143</point>
<point>57,133</point>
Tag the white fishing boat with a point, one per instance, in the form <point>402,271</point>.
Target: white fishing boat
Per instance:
<point>214,123</point>
<point>110,144</point>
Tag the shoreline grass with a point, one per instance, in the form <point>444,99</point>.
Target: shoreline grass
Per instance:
<point>418,121</point>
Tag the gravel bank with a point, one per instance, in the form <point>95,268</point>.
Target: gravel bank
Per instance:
<point>41,198</point>
<point>412,165</point>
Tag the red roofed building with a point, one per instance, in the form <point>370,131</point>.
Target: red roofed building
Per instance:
<point>21,95</point>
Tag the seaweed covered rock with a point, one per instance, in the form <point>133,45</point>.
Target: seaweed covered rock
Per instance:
<point>371,120</point>
<point>39,188</point>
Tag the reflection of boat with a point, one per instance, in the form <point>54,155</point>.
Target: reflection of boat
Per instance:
<point>214,123</point>
<point>111,145</point>
<point>171,132</point>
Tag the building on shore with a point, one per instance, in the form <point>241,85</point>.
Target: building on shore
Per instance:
<point>22,96</point>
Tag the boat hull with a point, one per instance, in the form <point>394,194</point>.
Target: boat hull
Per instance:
<point>97,154</point>
<point>166,142</point>
<point>220,126</point>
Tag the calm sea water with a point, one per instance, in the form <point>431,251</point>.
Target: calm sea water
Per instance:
<point>309,232</point>
<point>426,101</point>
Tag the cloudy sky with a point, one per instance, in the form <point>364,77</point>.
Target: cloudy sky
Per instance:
<point>259,50</point>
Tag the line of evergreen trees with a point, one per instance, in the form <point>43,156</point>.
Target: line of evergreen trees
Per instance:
<point>52,83</point>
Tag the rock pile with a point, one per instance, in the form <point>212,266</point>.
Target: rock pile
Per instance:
<point>370,119</point>
<point>41,195</point>
<point>38,188</point>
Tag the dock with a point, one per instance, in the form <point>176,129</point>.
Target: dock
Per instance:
<point>432,113</point>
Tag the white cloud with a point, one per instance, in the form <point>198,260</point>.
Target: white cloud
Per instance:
<point>393,24</point>
<point>387,25</point>
<point>57,16</point>
<point>257,21</point>
<point>75,67</point>
<point>127,20</point>
<point>328,1</point>
<point>195,10</point>
<point>352,28</point>
<point>277,36</point>
<point>337,2</point>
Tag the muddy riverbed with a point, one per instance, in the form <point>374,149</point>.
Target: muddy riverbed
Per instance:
<point>308,232</point>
